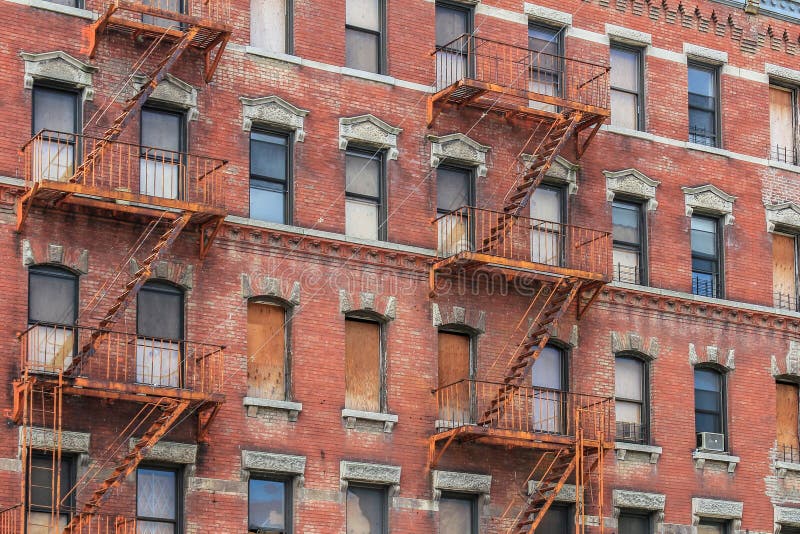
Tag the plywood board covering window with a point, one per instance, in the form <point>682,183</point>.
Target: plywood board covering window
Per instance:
<point>787,410</point>
<point>363,365</point>
<point>266,351</point>
<point>454,370</point>
<point>784,272</point>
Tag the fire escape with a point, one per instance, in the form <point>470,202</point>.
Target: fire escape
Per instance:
<point>559,100</point>
<point>170,193</point>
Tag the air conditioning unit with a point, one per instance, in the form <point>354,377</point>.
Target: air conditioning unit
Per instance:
<point>711,441</point>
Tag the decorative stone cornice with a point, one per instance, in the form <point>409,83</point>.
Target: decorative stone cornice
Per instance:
<point>460,149</point>
<point>180,274</point>
<point>474,320</point>
<point>267,462</point>
<point>632,183</point>
<point>717,509</point>
<point>784,215</point>
<point>784,73</point>
<point>567,493</point>
<point>387,475</point>
<point>634,342</point>
<point>256,285</point>
<point>174,92</point>
<point>712,355</point>
<point>273,111</point>
<point>562,171</point>
<point>791,364</point>
<point>61,67</point>
<point>369,130</point>
<point>636,500</point>
<point>53,253</point>
<point>366,302</point>
<point>709,199</point>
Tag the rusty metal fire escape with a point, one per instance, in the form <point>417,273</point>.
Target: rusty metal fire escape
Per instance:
<point>568,264</point>
<point>100,174</point>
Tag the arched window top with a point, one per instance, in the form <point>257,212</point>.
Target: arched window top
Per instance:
<point>271,300</point>
<point>52,269</point>
<point>367,315</point>
<point>459,328</point>
<point>164,285</point>
<point>712,367</point>
<point>634,355</point>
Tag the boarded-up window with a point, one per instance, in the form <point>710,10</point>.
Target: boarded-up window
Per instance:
<point>784,272</point>
<point>454,372</point>
<point>363,381</point>
<point>781,124</point>
<point>266,351</point>
<point>787,404</point>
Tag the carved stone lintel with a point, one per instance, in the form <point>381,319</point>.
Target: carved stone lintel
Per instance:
<point>45,438</point>
<point>458,148</point>
<point>635,500</point>
<point>173,91</point>
<point>460,482</point>
<point>170,451</point>
<point>786,517</point>
<point>563,171</point>
<point>369,130</point>
<point>716,509</point>
<point>388,475</point>
<point>633,341</point>
<point>474,320</point>
<point>785,215</point>
<point>384,307</point>
<point>712,355</point>
<point>61,67</point>
<point>266,286</point>
<point>709,199</point>
<point>633,183</point>
<point>273,111</point>
<point>268,462</point>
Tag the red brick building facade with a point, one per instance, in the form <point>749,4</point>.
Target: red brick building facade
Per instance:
<point>284,332</point>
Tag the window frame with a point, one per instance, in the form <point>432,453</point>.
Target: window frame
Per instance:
<point>56,272</point>
<point>560,51</point>
<point>794,300</point>
<point>718,289</point>
<point>160,285</point>
<point>288,310</point>
<point>723,394</point>
<point>64,509</point>
<point>62,88</point>
<point>474,507</point>
<point>384,508</point>
<point>641,277</point>
<point>466,9</point>
<point>563,215</point>
<point>288,183</point>
<point>643,514</point>
<point>640,66</point>
<point>183,146</point>
<point>366,317</point>
<point>380,155</point>
<point>644,403</point>
<point>288,501</point>
<point>724,523</point>
<point>794,89</point>
<point>717,96</point>
<point>382,40</point>
<point>179,494</point>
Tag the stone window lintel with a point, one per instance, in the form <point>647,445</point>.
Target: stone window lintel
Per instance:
<point>628,36</point>
<point>386,475</point>
<point>170,452</point>
<point>562,171</point>
<point>566,495</point>
<point>174,92</point>
<point>268,462</point>
<point>275,111</point>
<point>709,199</point>
<point>547,15</point>
<point>371,131</point>
<point>460,149</point>
<point>706,55</point>
<point>636,500</point>
<point>783,215</point>
<point>61,67</point>
<point>717,509</point>
<point>463,483</point>
<point>634,183</point>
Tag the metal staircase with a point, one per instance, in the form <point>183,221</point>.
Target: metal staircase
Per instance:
<point>560,465</point>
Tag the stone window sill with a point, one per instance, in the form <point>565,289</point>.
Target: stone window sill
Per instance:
<point>710,149</point>
<point>292,409</point>
<point>623,448</point>
<point>280,56</point>
<point>371,76</point>
<point>58,8</point>
<point>784,467</point>
<point>351,416</point>
<point>784,166</point>
<point>701,457</point>
<point>639,134</point>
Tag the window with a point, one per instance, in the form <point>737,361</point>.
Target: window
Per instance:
<point>458,514</point>
<point>271,25</point>
<point>455,371</point>
<point>269,176</point>
<point>367,508</point>
<point>58,112</point>
<point>708,526</point>
<point>363,365</point>
<point>43,497</point>
<point>52,312</point>
<point>176,6</point>
<point>560,519</point>
<point>703,104</point>
<point>547,235</point>
<point>631,399</point>
<point>549,381</point>
<point>706,261</point>
<point>364,193</point>
<point>159,499</point>
<point>267,354</point>
<point>70,3</point>
<point>787,417</point>
<point>784,271</point>
<point>626,87</point>
<point>454,190</point>
<point>159,326</point>
<point>630,522</point>
<point>709,401</point>
<point>269,505</point>
<point>783,124</point>
<point>163,141</point>
<point>452,22</point>
<point>545,48</point>
<point>364,35</point>
<point>629,238</point>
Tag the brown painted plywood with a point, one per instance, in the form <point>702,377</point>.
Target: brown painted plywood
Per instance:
<point>787,410</point>
<point>362,365</point>
<point>783,262</point>
<point>266,351</point>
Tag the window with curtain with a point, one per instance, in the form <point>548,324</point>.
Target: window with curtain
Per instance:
<point>547,232</point>
<point>629,236</point>
<point>458,514</point>
<point>703,104</point>
<point>364,28</point>
<point>706,256</point>
<point>626,87</point>
<point>454,190</point>
<point>269,176</point>
<point>270,25</point>
<point>367,509</point>
<point>159,500</point>
<point>159,328</point>
<point>160,167</point>
<point>630,399</point>
<point>52,312</point>
<point>364,194</point>
<point>58,112</point>
<point>269,505</point>
<point>453,26</point>
<point>549,381</point>
<point>783,124</point>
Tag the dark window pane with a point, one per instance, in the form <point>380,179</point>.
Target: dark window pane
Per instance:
<point>160,312</point>
<point>366,509</point>
<point>161,129</point>
<point>267,203</point>
<point>707,422</point>
<point>362,49</point>
<point>54,110</point>
<point>363,174</point>
<point>452,188</point>
<point>52,296</point>
<point>704,236</point>
<point>626,217</point>
<point>707,380</point>
<point>633,524</point>
<point>542,39</point>
<point>267,508</point>
<point>557,520</point>
<point>42,481</point>
<point>268,155</point>
<point>707,400</point>
<point>450,23</point>
<point>456,516</point>
<point>156,494</point>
